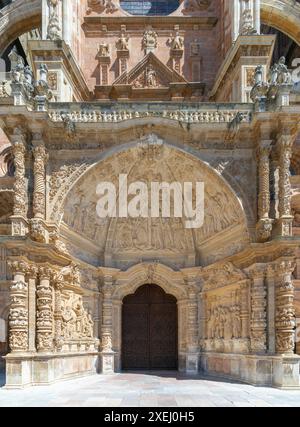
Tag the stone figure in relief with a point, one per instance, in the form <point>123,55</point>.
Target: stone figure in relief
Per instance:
<point>122,43</point>
<point>103,50</point>
<point>177,42</point>
<point>151,77</point>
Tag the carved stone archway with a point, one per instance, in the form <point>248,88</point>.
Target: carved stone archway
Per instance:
<point>284,15</point>
<point>76,201</point>
<point>17,18</point>
<point>119,284</point>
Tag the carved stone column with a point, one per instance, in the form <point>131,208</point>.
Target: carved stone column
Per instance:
<point>58,287</point>
<point>18,314</point>
<point>258,334</point>
<point>44,321</point>
<point>285,310</point>
<point>264,226</point>
<point>19,226</point>
<point>39,195</point>
<point>285,145</point>
<point>192,357</point>
<point>108,355</point>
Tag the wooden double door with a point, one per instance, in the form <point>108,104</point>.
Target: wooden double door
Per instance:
<point>149,330</point>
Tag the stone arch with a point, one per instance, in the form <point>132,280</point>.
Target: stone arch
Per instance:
<point>17,18</point>
<point>224,209</point>
<point>284,15</point>
<point>127,282</point>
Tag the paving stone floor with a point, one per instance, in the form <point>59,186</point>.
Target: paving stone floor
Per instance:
<point>147,390</point>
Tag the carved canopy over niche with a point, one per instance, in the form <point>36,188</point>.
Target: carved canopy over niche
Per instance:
<point>153,236</point>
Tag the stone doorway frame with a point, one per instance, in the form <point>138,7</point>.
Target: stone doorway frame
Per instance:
<point>119,284</point>
<point>152,286</point>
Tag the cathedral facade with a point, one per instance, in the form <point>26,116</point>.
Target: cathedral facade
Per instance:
<point>185,91</point>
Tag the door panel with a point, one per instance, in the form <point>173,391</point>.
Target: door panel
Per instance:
<point>149,330</point>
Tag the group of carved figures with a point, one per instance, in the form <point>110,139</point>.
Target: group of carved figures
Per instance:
<point>76,322</point>
<point>149,43</point>
<point>224,322</point>
<point>279,75</point>
<point>23,78</point>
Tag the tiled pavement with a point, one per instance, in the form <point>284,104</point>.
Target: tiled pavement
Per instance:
<point>148,390</point>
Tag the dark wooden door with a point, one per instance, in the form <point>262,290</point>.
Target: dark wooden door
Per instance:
<point>149,330</point>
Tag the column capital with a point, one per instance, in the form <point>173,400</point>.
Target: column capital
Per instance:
<point>18,267</point>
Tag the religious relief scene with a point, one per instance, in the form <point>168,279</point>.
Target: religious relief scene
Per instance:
<point>149,190</point>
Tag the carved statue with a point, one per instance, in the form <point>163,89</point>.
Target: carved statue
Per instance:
<point>103,50</point>
<point>122,43</point>
<point>151,78</point>
<point>149,41</point>
<point>279,73</point>
<point>177,42</point>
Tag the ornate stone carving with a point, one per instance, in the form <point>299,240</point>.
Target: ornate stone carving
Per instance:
<point>77,323</point>
<point>221,276</point>
<point>224,320</point>
<point>53,29</point>
<point>285,310</point>
<point>177,42</point>
<point>3,90</point>
<point>106,344</point>
<point>285,146</point>
<point>42,92</point>
<point>191,6</point>
<point>44,321</point>
<point>279,73</point>
<point>258,310</point>
<point>39,195</point>
<point>38,231</point>
<point>100,6</point>
<point>183,116</point>
<point>123,42</point>
<point>260,89</point>
<point>18,314</point>
<point>20,180</point>
<point>103,50</point>
<point>247,23</point>
<point>149,41</point>
<point>264,227</point>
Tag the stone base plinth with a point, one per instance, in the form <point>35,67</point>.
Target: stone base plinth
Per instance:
<point>192,364</point>
<point>108,362</point>
<point>29,370</point>
<point>271,371</point>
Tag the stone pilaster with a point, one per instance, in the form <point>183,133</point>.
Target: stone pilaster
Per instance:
<point>285,145</point>
<point>258,336</point>
<point>245,287</point>
<point>39,195</point>
<point>192,356</point>
<point>58,287</point>
<point>32,278</point>
<point>44,321</point>
<point>18,314</point>
<point>107,353</point>
<point>264,226</point>
<point>285,320</point>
